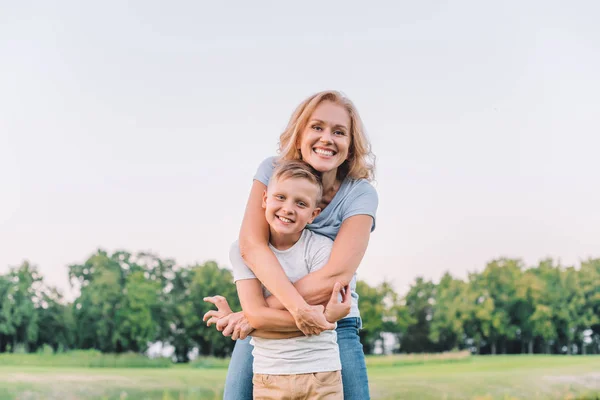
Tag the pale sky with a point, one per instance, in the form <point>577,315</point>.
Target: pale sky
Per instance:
<point>139,127</point>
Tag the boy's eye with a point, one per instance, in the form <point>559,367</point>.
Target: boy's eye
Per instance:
<point>302,204</point>
<point>279,197</point>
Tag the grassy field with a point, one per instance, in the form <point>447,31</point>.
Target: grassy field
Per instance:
<point>416,377</point>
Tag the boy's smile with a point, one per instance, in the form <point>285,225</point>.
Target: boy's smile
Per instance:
<point>290,204</point>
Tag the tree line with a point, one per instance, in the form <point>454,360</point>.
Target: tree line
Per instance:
<point>127,301</point>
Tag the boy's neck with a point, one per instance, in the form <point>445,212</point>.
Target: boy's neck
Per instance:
<point>282,241</point>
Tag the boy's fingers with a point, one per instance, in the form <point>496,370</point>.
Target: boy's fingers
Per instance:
<point>229,330</point>
<point>335,292</point>
<point>222,323</point>
<point>211,313</point>
<point>347,295</point>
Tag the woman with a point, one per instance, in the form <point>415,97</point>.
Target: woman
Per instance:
<point>326,132</point>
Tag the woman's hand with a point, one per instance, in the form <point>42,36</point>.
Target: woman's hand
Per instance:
<point>334,311</point>
<point>311,320</point>
<point>222,310</point>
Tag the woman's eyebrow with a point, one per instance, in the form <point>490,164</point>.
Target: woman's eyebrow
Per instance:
<point>323,122</point>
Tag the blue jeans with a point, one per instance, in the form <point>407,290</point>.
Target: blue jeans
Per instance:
<point>238,385</point>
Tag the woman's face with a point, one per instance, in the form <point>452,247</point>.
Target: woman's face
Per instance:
<point>325,141</point>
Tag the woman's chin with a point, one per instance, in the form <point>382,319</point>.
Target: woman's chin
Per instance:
<point>323,165</point>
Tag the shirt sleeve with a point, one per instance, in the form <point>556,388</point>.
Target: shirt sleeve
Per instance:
<point>363,201</point>
<point>240,269</point>
<point>265,170</point>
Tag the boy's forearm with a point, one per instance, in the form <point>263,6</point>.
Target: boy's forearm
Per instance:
<point>271,319</point>
<point>265,334</point>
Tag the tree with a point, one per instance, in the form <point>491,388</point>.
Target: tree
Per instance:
<point>451,309</point>
<point>419,302</point>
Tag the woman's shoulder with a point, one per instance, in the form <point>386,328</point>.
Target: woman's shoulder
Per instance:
<point>265,169</point>
<point>358,187</point>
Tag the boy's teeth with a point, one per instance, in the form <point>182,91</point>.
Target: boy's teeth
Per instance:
<point>284,219</point>
<point>324,152</point>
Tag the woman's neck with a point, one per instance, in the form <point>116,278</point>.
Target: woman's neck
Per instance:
<point>329,180</point>
<point>330,187</point>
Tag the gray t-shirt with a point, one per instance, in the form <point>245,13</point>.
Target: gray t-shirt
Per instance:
<point>354,197</point>
<point>301,355</point>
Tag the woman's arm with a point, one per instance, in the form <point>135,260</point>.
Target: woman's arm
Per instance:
<point>348,250</point>
<point>254,249</point>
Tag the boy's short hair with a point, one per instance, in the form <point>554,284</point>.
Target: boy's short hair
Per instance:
<point>285,169</point>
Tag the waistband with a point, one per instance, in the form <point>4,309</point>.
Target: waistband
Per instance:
<point>351,322</point>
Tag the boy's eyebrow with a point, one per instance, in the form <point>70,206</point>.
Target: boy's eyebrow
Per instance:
<point>323,122</point>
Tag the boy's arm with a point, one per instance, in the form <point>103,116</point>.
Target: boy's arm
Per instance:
<point>238,326</point>
<point>275,335</point>
<point>258,313</point>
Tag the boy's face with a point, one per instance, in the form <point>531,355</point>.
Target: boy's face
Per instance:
<point>290,204</point>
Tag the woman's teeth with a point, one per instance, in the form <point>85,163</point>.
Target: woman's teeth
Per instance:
<point>324,152</point>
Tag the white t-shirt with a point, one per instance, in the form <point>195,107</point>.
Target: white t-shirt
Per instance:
<point>301,355</point>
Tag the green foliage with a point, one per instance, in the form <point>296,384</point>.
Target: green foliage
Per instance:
<point>127,302</point>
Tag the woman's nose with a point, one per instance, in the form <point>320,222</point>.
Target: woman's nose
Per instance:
<point>325,136</point>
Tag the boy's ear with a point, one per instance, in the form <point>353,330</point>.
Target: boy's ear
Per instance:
<point>264,200</point>
<point>315,212</point>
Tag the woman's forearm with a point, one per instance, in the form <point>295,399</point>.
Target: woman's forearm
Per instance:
<point>266,267</point>
<point>346,255</point>
<point>254,249</point>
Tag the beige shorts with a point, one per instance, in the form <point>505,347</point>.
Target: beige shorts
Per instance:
<point>317,385</point>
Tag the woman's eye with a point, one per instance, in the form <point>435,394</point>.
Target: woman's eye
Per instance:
<point>339,133</point>
<point>317,128</point>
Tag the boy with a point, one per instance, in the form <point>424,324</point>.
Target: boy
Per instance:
<point>288,364</point>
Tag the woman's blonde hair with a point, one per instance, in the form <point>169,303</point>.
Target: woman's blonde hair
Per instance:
<point>361,161</point>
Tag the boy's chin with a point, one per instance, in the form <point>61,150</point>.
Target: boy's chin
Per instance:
<point>287,231</point>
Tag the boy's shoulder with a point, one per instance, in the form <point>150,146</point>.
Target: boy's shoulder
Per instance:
<point>317,237</point>
<point>315,241</point>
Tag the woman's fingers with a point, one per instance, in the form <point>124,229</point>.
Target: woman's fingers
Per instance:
<point>212,320</point>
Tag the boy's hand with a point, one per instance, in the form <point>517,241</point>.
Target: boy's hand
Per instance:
<point>335,310</point>
<point>311,320</point>
<point>222,310</point>
<point>235,325</point>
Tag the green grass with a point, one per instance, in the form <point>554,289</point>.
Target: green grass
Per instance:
<point>85,359</point>
<point>481,378</point>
